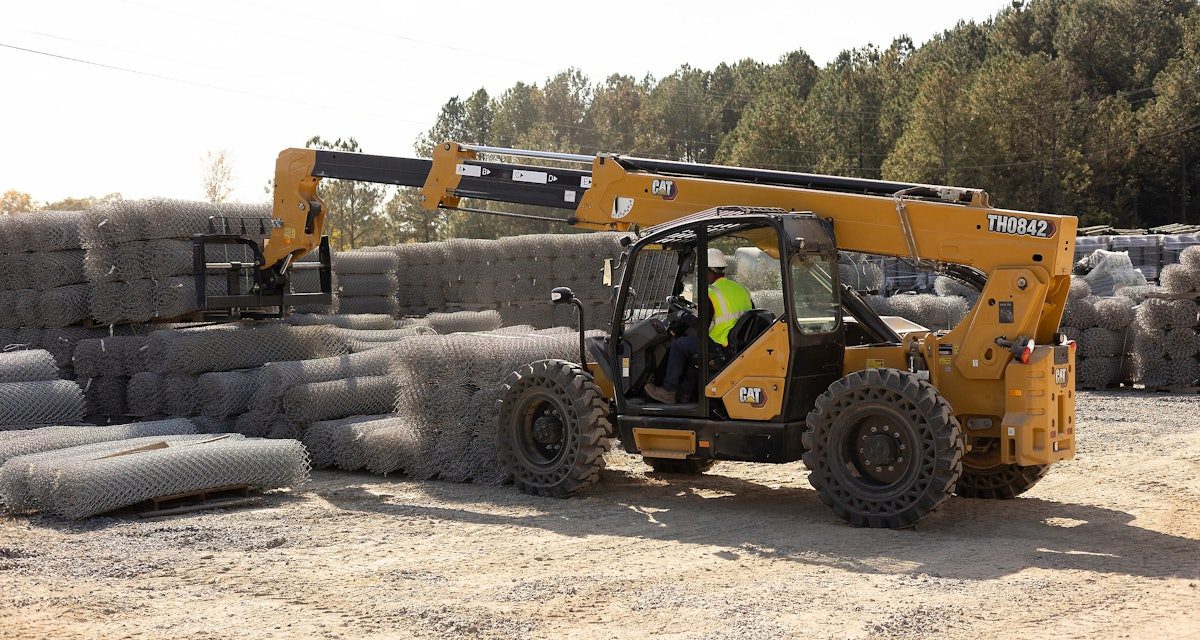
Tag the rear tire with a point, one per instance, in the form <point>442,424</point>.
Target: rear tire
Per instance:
<point>883,448</point>
<point>552,428</point>
<point>687,466</point>
<point>985,477</point>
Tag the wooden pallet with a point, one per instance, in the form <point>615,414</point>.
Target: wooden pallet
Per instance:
<point>237,495</point>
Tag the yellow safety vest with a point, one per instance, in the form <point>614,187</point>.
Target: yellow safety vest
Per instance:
<point>729,301</point>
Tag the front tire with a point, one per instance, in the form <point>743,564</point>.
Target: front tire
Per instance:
<point>552,428</point>
<point>883,448</point>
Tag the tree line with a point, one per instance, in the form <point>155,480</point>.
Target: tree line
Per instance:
<point>1082,107</point>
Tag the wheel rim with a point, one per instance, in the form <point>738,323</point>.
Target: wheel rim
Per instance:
<point>543,437</point>
<point>878,452</point>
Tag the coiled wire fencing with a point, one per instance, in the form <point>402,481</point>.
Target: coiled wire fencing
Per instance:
<point>86,485</point>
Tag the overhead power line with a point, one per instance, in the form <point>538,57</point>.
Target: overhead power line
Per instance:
<point>203,85</point>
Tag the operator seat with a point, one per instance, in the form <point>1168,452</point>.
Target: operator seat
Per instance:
<point>749,326</point>
<point>747,329</point>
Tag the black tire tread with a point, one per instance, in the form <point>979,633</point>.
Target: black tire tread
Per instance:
<point>587,429</point>
<point>924,494</point>
<point>998,482</point>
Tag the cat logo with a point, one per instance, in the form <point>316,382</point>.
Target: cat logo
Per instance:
<point>664,188</point>
<point>1060,376</point>
<point>752,396</point>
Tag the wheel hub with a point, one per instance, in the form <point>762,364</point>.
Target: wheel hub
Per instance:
<point>880,453</point>
<point>547,430</point>
<point>880,448</point>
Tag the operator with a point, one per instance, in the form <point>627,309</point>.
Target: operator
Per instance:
<point>727,301</point>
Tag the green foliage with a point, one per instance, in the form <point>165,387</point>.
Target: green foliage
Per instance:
<point>1084,107</point>
<point>354,214</point>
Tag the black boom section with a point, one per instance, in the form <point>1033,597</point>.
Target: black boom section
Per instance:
<point>781,178</point>
<point>522,184</point>
<point>495,181</point>
<point>408,172</point>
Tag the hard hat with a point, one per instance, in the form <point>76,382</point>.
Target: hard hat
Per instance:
<point>716,259</point>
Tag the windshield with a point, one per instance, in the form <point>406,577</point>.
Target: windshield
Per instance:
<point>654,276</point>
<point>814,294</point>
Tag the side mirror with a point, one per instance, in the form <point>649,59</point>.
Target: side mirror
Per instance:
<point>559,295</point>
<point>608,272</point>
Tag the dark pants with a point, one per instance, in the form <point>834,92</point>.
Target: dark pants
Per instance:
<point>678,357</point>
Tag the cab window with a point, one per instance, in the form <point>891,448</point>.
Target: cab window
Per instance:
<point>814,293</point>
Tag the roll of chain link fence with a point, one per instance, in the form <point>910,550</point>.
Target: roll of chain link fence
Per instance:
<point>27,482</point>
<point>85,487</point>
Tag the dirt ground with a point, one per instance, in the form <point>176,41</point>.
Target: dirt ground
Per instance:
<point>1106,546</point>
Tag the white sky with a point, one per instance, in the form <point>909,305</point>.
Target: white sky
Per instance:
<point>128,95</point>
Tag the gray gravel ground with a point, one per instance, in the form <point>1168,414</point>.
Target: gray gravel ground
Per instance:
<point>1108,545</point>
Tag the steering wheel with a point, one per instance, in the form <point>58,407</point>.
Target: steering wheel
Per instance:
<point>680,303</point>
<point>681,310</point>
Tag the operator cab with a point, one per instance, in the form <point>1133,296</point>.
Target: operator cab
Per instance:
<point>780,355</point>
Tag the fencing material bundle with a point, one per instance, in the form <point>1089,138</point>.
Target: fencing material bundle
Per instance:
<point>1098,372</point>
<point>84,487</point>
<point>276,379</point>
<point>365,339</point>
<point>380,444</point>
<point>930,311</point>
<point>110,356</point>
<point>50,438</point>
<point>104,399</point>
<point>1080,313</point>
<point>228,348</point>
<point>449,386</point>
<point>421,274</point>
<point>1179,278</point>
<point>27,481</point>
<point>1158,313</point>
<point>1190,258</point>
<point>51,269</point>
<point>513,274</point>
<point>343,321</point>
<point>163,218</point>
<point>42,262</point>
<point>309,281</point>
<point>1098,341</point>
<point>310,402</point>
<point>40,231</point>
<point>946,286</point>
<point>139,256</point>
<point>145,395</point>
<point>1114,313</point>
<point>464,321</point>
<point>445,410</point>
<point>148,259</point>
<point>27,366</point>
<point>859,274</point>
<point>64,306</point>
<point>769,299</point>
<point>222,394</point>
<point>40,403</point>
